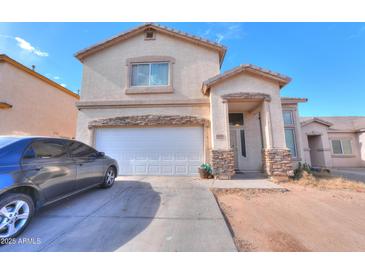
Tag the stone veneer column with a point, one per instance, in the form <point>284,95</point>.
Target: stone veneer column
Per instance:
<point>223,164</point>
<point>277,162</point>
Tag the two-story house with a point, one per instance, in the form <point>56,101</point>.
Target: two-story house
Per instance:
<point>155,99</point>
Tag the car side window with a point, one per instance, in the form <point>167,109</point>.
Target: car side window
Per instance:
<point>80,150</point>
<point>45,150</point>
<point>29,153</point>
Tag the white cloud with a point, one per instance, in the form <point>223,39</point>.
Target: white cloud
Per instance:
<point>57,77</point>
<point>23,44</point>
<point>223,31</point>
<point>359,33</point>
<point>64,85</point>
<point>219,38</point>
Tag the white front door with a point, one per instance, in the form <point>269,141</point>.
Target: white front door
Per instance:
<point>173,151</point>
<point>246,143</point>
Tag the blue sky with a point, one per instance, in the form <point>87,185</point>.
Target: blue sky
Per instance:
<point>325,60</point>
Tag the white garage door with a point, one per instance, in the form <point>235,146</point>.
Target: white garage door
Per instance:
<point>153,151</point>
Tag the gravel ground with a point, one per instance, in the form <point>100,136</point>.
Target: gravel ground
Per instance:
<point>302,219</point>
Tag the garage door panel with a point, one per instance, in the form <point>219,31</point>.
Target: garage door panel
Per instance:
<point>153,151</point>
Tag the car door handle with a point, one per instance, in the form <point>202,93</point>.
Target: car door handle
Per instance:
<point>38,168</point>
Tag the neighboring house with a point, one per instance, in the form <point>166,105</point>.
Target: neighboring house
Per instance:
<point>155,99</point>
<point>334,141</point>
<point>31,104</point>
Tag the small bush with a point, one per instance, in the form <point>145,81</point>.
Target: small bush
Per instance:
<point>301,170</point>
<point>207,167</point>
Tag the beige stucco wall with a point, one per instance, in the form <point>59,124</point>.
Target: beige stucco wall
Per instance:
<point>38,108</point>
<point>273,129</point>
<point>105,72</point>
<point>353,160</point>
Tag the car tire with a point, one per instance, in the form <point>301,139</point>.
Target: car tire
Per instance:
<point>12,206</point>
<point>109,177</point>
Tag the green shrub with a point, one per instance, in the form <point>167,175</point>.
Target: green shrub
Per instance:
<point>298,172</point>
<point>207,167</point>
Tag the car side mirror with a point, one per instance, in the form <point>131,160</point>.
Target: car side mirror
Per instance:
<point>100,154</point>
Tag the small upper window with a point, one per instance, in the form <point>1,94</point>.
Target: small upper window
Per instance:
<point>149,34</point>
<point>150,74</point>
<point>288,117</point>
<point>341,147</point>
<point>235,119</point>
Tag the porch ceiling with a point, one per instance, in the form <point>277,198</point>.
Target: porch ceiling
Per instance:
<point>243,106</point>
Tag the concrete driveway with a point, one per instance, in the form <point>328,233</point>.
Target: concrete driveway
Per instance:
<point>136,214</point>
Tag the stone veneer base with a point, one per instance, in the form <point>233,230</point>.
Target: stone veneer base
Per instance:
<point>277,162</point>
<point>223,164</point>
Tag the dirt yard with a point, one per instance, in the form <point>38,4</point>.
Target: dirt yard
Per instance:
<point>308,217</point>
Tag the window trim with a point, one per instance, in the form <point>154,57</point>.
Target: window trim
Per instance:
<point>149,89</point>
<point>341,140</point>
<point>149,74</point>
<point>294,128</point>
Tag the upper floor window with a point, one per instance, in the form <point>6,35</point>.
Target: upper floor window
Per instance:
<point>150,74</point>
<point>341,146</point>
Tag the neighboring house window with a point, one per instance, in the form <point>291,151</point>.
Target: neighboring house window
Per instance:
<point>341,146</point>
<point>150,74</point>
<point>290,133</point>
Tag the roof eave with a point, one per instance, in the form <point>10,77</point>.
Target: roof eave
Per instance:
<point>281,79</point>
<point>7,59</point>
<point>293,100</point>
<point>316,120</point>
<point>82,54</point>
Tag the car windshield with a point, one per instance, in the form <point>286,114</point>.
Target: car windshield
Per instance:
<point>4,141</point>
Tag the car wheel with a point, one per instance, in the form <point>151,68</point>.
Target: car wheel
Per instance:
<point>109,178</point>
<point>16,211</point>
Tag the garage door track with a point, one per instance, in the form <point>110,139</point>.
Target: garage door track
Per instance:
<point>137,214</point>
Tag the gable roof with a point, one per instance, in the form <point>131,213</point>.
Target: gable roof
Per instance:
<point>7,59</point>
<point>316,120</point>
<point>282,79</point>
<point>340,123</point>
<point>82,54</point>
<point>292,100</point>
